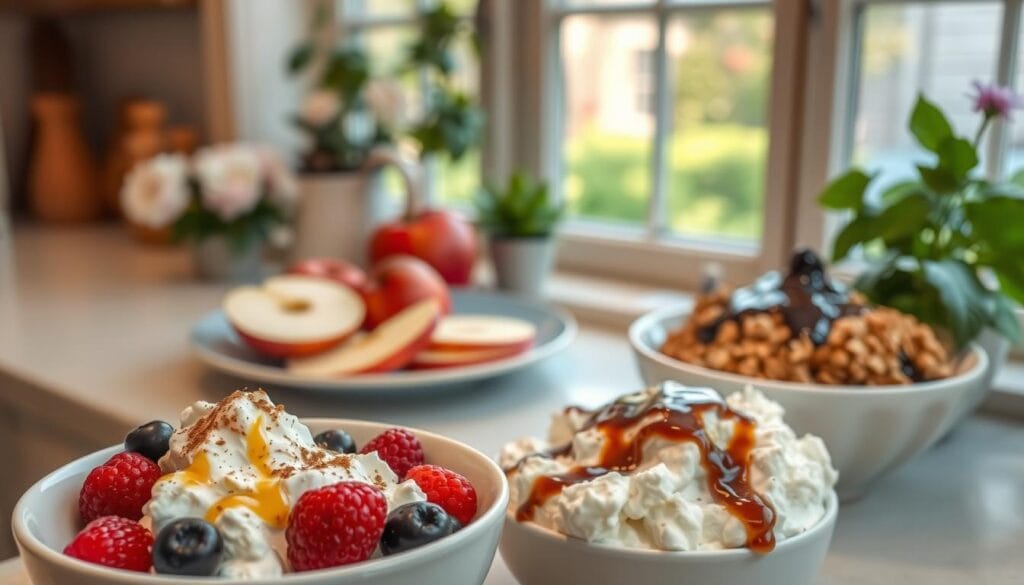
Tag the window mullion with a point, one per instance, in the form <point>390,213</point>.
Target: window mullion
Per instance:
<point>662,128</point>
<point>1005,75</point>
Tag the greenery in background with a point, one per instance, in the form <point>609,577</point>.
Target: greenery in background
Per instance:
<point>523,209</point>
<point>718,147</point>
<point>932,243</point>
<point>453,121</point>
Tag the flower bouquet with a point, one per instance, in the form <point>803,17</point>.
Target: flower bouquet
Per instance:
<point>226,201</point>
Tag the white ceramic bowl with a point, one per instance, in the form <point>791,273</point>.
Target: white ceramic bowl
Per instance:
<point>46,519</point>
<point>869,430</point>
<point>538,556</point>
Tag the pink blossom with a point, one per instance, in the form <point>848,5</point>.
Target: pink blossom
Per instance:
<point>996,101</point>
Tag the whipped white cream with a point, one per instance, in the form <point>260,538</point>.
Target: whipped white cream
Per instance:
<point>242,464</point>
<point>664,501</point>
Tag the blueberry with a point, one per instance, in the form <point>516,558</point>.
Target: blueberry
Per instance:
<point>188,546</point>
<point>805,262</point>
<point>336,440</point>
<point>414,525</point>
<point>150,440</point>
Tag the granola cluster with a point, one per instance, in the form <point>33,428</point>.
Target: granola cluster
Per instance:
<point>875,347</point>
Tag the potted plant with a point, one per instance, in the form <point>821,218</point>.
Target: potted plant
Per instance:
<point>353,122</point>
<point>520,221</point>
<point>225,202</point>
<point>945,246</point>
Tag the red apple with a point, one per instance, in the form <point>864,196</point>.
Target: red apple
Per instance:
<point>443,239</point>
<point>389,347</point>
<point>291,316</point>
<point>482,332</point>
<point>399,281</point>
<point>432,359</point>
<point>333,269</point>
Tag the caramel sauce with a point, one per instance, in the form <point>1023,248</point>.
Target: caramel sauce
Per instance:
<point>266,499</point>
<point>674,413</point>
<point>807,299</point>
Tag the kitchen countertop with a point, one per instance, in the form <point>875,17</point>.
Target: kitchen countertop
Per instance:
<point>93,340</point>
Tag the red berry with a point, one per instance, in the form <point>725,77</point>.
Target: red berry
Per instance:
<point>335,525</point>
<point>453,492</point>
<point>119,487</point>
<point>399,448</point>
<point>113,542</point>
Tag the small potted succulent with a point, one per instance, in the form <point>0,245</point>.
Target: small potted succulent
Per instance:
<point>946,246</point>
<point>226,202</point>
<point>520,222</point>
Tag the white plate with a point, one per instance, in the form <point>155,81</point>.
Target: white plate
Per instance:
<point>215,343</point>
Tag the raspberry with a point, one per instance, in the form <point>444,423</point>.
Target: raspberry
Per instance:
<point>119,487</point>
<point>113,542</point>
<point>399,448</point>
<point>453,492</point>
<point>335,525</point>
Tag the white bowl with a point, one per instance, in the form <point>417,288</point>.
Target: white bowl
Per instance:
<point>869,430</point>
<point>538,556</point>
<point>46,519</point>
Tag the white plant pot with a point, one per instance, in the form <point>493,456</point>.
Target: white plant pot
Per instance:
<point>997,348</point>
<point>338,212</point>
<point>215,259</point>
<point>521,265</point>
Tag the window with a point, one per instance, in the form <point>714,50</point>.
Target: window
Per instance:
<point>387,28</point>
<point>661,113</point>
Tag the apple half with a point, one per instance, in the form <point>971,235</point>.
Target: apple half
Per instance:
<point>483,333</point>
<point>290,316</point>
<point>433,359</point>
<point>391,345</point>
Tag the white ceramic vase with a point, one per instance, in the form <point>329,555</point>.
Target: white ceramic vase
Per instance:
<point>522,265</point>
<point>215,259</point>
<point>339,211</point>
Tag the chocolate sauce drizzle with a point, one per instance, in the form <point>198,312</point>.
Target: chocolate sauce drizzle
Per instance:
<point>675,413</point>
<point>807,299</point>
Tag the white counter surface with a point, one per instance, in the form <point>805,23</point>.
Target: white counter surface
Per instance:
<point>93,340</point>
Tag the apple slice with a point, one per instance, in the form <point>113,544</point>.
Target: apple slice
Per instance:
<point>291,316</point>
<point>482,332</point>
<point>392,345</point>
<point>430,359</point>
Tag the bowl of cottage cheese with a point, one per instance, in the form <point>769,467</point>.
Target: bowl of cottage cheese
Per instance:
<point>242,468</point>
<point>670,484</point>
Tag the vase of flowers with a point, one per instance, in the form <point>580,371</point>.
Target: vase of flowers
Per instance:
<point>946,246</point>
<point>225,202</point>
<point>520,222</point>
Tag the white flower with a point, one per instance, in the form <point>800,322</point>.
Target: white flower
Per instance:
<point>320,107</point>
<point>284,188</point>
<point>386,99</point>
<point>155,192</point>
<point>230,179</point>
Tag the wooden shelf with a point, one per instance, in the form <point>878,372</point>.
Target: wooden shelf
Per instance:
<point>65,7</point>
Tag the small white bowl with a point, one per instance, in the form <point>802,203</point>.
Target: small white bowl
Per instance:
<point>869,430</point>
<point>538,556</point>
<point>46,519</point>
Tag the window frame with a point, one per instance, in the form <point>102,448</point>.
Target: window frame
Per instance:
<point>657,256</point>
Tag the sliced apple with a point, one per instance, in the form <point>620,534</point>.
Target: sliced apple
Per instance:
<point>289,316</point>
<point>430,359</point>
<point>482,332</point>
<point>392,345</point>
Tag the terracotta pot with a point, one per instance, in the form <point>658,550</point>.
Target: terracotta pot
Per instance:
<point>62,176</point>
<point>139,136</point>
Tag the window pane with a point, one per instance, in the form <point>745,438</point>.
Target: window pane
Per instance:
<point>379,8</point>
<point>463,7</point>
<point>606,2</point>
<point>608,119</point>
<point>459,180</point>
<point>721,67</point>
<point>1014,161</point>
<point>938,49</point>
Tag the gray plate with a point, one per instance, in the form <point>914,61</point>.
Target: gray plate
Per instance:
<point>215,343</point>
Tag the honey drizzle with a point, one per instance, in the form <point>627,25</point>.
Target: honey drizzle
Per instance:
<point>675,413</point>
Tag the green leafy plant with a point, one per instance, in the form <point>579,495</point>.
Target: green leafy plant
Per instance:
<point>523,209</point>
<point>945,247</point>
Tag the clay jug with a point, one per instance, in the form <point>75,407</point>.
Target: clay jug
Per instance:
<point>62,175</point>
<point>139,136</point>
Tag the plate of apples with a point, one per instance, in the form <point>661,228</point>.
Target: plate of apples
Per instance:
<point>325,324</point>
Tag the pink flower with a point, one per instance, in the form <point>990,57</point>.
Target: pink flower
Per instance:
<point>230,179</point>
<point>996,101</point>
